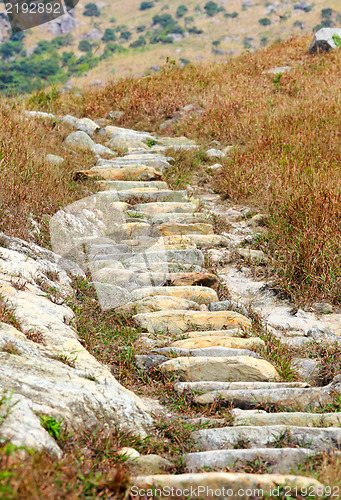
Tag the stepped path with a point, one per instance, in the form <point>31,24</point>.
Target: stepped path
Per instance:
<point>154,255</point>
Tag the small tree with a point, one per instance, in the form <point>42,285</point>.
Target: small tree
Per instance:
<point>84,46</point>
<point>91,10</point>
<point>109,35</point>
<point>181,11</point>
<point>265,21</point>
<point>211,8</point>
<point>146,5</point>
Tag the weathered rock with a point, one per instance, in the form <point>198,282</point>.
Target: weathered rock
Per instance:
<point>296,399</point>
<point>198,294</point>
<point>88,126</point>
<point>149,464</point>
<point>231,386</point>
<point>54,159</point>
<point>236,486</point>
<point>208,240</point>
<point>157,303</point>
<point>192,279</point>
<point>147,362</point>
<point>215,351</point>
<point>152,195</point>
<point>313,438</point>
<point>308,369</point>
<point>180,321</point>
<point>188,218</point>
<point>128,453</point>
<point>164,207</point>
<point>277,460</point>
<point>233,332</point>
<point>79,140</point>
<point>228,305</point>
<point>253,255</point>
<point>231,342</point>
<point>324,40</point>
<point>323,307</point>
<point>126,185</point>
<point>234,369</point>
<point>214,153</point>
<point>141,173</point>
<point>168,229</point>
<point>300,419</point>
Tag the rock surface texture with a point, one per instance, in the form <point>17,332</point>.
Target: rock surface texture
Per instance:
<point>146,247</point>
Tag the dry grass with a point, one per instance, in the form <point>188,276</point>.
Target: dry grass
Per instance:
<point>286,135</point>
<point>31,189</point>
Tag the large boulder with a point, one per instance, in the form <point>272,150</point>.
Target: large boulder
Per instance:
<point>324,40</point>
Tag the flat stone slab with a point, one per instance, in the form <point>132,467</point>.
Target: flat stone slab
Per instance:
<point>168,229</point>
<point>187,260</point>
<point>153,196</point>
<point>314,438</point>
<point>220,386</point>
<point>126,185</point>
<point>192,279</point>
<point>300,419</point>
<point>277,460</point>
<point>142,173</point>
<point>164,207</point>
<point>234,369</point>
<point>297,399</point>
<point>189,218</point>
<point>178,322</point>
<point>199,294</point>
<point>231,342</point>
<point>208,351</point>
<point>209,240</point>
<point>234,332</point>
<point>157,303</point>
<point>237,486</point>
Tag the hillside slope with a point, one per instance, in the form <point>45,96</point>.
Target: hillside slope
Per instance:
<point>126,38</point>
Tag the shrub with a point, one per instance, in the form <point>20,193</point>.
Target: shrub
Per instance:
<point>211,8</point>
<point>146,5</point>
<point>84,46</point>
<point>109,35</point>
<point>126,35</point>
<point>91,10</point>
<point>265,21</point>
<point>181,11</point>
<point>140,42</point>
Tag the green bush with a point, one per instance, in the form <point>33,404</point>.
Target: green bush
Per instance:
<point>109,35</point>
<point>91,10</point>
<point>125,35</point>
<point>140,42</point>
<point>211,8</point>
<point>146,5</point>
<point>84,46</point>
<point>181,11</point>
<point>141,28</point>
<point>265,21</point>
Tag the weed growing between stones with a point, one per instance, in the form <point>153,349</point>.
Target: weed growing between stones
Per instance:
<point>7,314</point>
<point>11,348</point>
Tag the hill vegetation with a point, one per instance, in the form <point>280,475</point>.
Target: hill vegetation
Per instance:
<point>134,38</point>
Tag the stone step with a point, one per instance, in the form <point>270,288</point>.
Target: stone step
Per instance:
<point>219,386</point>
<point>278,460</point>
<point>209,240</point>
<point>164,207</point>
<point>233,332</point>
<point>199,294</point>
<point>157,303</point>
<point>231,342</point>
<point>300,419</point>
<point>152,195</point>
<point>178,322</point>
<point>190,259</point>
<point>233,369</point>
<point>159,162</point>
<point>223,485</point>
<point>168,229</point>
<point>314,438</point>
<point>215,351</point>
<point>141,173</point>
<point>187,218</point>
<point>126,185</point>
<point>296,399</point>
<point>192,279</point>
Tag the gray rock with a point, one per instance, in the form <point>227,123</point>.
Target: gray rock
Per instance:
<point>324,40</point>
<point>147,362</point>
<point>54,159</point>
<point>277,460</point>
<point>39,114</point>
<point>115,115</point>
<point>214,153</point>
<point>88,126</point>
<point>63,24</point>
<point>70,120</point>
<point>313,438</point>
<point>323,307</point>
<point>231,386</point>
<point>79,140</point>
<point>308,369</point>
<point>209,351</point>
<point>228,305</point>
<point>318,331</point>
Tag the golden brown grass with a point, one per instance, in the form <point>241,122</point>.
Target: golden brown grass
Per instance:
<point>31,188</point>
<point>286,133</point>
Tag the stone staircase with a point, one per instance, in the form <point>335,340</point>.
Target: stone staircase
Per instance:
<point>150,262</point>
